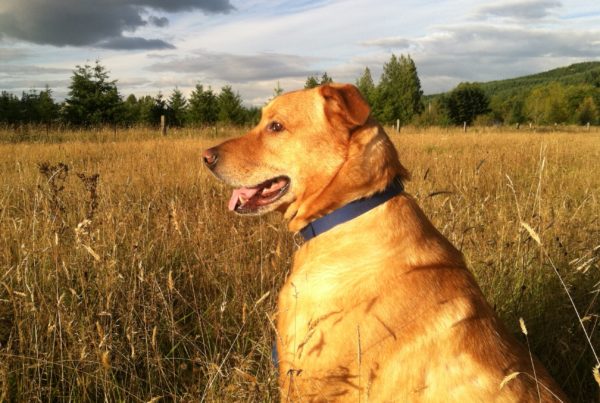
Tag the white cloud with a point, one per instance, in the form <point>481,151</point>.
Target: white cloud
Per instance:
<point>393,42</point>
<point>265,41</point>
<point>520,9</point>
<point>481,52</point>
<point>236,68</point>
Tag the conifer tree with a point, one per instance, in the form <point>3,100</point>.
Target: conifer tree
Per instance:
<point>325,79</point>
<point>231,110</point>
<point>399,91</point>
<point>315,81</point>
<point>159,108</point>
<point>366,86</point>
<point>204,106</point>
<point>147,106</point>
<point>93,97</point>
<point>311,82</point>
<point>176,108</point>
<point>277,91</point>
<point>131,111</point>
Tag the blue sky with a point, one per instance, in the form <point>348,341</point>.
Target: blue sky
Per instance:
<point>154,45</point>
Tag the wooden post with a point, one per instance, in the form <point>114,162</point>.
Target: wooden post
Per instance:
<point>518,125</point>
<point>163,125</point>
<point>465,127</point>
<point>397,125</point>
<point>587,126</point>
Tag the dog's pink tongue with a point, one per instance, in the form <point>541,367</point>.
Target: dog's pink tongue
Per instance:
<point>246,193</point>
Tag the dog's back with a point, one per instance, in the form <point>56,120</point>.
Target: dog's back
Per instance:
<point>383,309</point>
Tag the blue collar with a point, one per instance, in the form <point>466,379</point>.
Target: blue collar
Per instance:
<point>351,210</point>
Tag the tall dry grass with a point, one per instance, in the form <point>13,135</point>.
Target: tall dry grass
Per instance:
<point>138,284</point>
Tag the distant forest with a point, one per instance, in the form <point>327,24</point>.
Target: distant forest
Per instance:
<point>567,95</point>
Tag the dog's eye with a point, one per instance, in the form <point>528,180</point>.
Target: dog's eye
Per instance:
<point>275,126</point>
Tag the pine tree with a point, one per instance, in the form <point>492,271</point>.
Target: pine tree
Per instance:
<point>366,86</point>
<point>131,111</point>
<point>36,107</point>
<point>204,106</point>
<point>311,82</point>
<point>93,97</point>
<point>47,109</point>
<point>176,108</point>
<point>147,114</point>
<point>9,108</point>
<point>315,81</point>
<point>277,91</point>
<point>399,91</point>
<point>325,79</point>
<point>159,108</point>
<point>231,110</point>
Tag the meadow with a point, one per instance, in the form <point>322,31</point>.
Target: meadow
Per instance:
<point>124,278</point>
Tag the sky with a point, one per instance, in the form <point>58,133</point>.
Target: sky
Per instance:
<point>157,45</point>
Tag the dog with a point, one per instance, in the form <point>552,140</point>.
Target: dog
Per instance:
<point>379,306</point>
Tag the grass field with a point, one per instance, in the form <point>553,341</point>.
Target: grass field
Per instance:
<point>124,278</point>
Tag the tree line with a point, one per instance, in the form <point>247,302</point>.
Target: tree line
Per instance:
<point>545,104</point>
<point>93,100</point>
<point>397,98</point>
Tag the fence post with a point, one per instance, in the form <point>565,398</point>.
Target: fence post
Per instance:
<point>465,127</point>
<point>588,126</point>
<point>163,126</point>
<point>397,125</point>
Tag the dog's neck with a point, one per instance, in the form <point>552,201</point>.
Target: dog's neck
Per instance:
<point>368,146</point>
<point>351,210</point>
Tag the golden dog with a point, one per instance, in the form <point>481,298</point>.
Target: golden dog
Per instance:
<point>380,307</point>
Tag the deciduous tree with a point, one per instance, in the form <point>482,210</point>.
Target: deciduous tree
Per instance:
<point>587,112</point>
<point>465,103</point>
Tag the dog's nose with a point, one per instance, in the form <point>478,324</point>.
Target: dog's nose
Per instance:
<point>210,157</point>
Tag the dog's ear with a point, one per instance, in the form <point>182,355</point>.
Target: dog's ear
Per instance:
<point>345,104</point>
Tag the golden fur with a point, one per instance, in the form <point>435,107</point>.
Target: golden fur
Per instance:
<point>381,308</point>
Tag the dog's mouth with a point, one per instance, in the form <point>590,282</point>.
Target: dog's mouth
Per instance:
<point>248,200</point>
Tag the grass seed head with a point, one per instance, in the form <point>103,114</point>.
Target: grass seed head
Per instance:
<point>523,327</point>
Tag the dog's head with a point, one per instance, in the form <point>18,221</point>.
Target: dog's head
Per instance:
<point>312,151</point>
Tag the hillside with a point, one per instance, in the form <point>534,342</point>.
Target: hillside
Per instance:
<point>579,73</point>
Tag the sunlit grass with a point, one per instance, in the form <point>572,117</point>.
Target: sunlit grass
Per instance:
<point>155,295</point>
